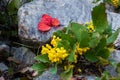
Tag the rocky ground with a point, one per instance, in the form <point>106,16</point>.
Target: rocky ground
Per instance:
<point>17,52</point>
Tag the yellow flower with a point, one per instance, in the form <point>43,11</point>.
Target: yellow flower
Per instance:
<point>91,27</point>
<point>54,54</point>
<point>81,50</point>
<point>75,58</point>
<point>115,3</point>
<point>55,41</point>
<point>44,50</point>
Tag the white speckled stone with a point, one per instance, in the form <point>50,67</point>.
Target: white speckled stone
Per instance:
<point>65,10</point>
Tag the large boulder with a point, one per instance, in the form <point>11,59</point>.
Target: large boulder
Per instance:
<point>65,10</point>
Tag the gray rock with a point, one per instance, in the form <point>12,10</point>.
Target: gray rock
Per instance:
<point>48,76</point>
<point>79,11</point>
<point>65,10</point>
<point>4,47</point>
<point>24,55</point>
<point>3,67</point>
<point>114,18</point>
<point>111,70</point>
<point>115,56</point>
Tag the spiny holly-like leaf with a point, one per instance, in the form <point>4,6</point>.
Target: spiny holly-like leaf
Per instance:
<point>43,58</point>
<point>99,18</point>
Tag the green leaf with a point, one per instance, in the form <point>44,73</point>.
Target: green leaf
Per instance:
<point>99,18</point>
<point>94,40</point>
<point>76,26</point>
<point>113,37</point>
<point>39,66</point>
<point>84,39</point>
<point>101,44</point>
<point>91,56</point>
<point>43,58</point>
<point>71,55</point>
<point>66,76</point>
<point>68,38</point>
<point>81,34</point>
<point>108,30</point>
<point>105,76</point>
<point>104,53</point>
<point>64,43</point>
<point>17,3</point>
<point>53,70</point>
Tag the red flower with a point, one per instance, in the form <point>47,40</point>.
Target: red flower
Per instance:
<point>47,22</point>
<point>55,22</point>
<point>46,19</point>
<point>43,27</point>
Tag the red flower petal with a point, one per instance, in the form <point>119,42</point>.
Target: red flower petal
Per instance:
<point>46,16</point>
<point>55,22</point>
<point>43,27</point>
<point>46,19</point>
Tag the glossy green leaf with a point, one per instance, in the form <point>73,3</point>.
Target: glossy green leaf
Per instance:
<point>104,53</point>
<point>65,44</point>
<point>71,55</point>
<point>53,69</point>
<point>91,56</point>
<point>81,34</point>
<point>113,37</point>
<point>94,40</point>
<point>99,18</point>
<point>39,66</point>
<point>43,58</point>
<point>101,44</point>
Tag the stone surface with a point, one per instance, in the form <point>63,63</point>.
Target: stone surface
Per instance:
<point>114,18</point>
<point>116,57</point>
<point>48,76</point>
<point>65,10</point>
<point>3,67</point>
<point>79,11</point>
<point>23,55</point>
<point>4,47</point>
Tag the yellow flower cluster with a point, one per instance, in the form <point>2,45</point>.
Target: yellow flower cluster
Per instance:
<point>54,54</point>
<point>81,50</point>
<point>91,27</point>
<point>55,41</point>
<point>115,2</point>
